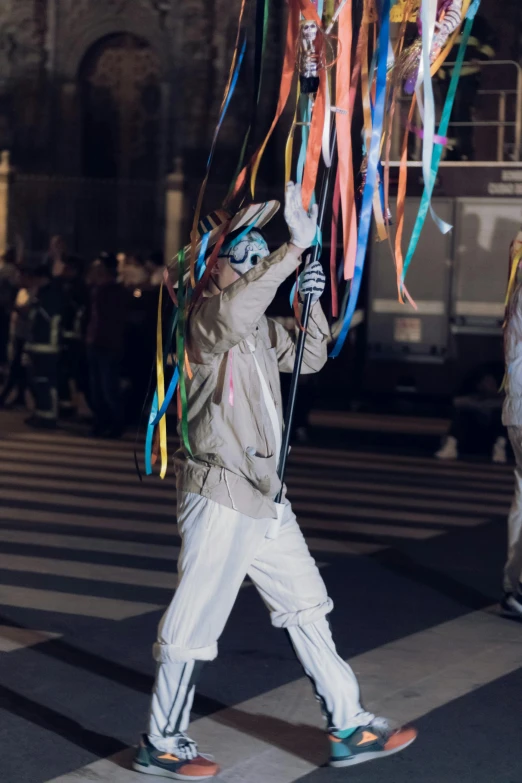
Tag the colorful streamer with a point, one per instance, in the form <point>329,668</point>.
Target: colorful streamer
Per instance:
<point>371,176</point>
<point>443,129</point>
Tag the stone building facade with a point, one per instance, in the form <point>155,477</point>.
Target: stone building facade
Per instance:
<point>99,97</point>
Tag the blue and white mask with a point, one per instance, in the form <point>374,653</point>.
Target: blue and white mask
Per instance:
<point>245,252</point>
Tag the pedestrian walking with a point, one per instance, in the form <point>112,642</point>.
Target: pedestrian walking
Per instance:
<point>16,381</point>
<point>43,348</point>
<point>228,519</point>
<point>105,345</point>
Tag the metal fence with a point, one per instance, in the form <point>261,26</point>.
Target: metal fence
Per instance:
<point>505,104</point>
<point>92,214</point>
<point>497,115</point>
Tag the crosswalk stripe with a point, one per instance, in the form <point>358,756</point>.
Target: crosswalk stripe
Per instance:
<point>127,480</point>
<point>397,515</point>
<point>12,639</point>
<point>67,519</point>
<point>34,467</point>
<point>72,603</point>
<point>353,461</point>
<point>138,577</point>
<point>303,489</point>
<point>403,490</point>
<point>409,677</point>
<point>84,488</point>
<point>89,544</point>
<point>346,526</point>
<point>152,528</point>
<point>62,499</point>
<point>375,499</point>
<point>405,459</point>
<point>355,464</point>
<point>122,467</point>
<point>123,448</point>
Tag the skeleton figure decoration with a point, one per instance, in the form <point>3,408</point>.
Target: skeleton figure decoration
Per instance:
<point>449,16</point>
<point>315,53</point>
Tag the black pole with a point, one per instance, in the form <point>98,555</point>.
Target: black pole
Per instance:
<point>289,417</point>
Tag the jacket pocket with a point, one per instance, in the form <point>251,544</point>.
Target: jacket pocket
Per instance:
<point>262,472</point>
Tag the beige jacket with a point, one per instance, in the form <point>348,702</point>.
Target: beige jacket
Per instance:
<point>230,434</point>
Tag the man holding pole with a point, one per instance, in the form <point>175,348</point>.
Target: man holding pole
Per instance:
<point>228,518</point>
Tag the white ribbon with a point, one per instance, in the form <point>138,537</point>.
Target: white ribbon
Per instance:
<point>426,100</point>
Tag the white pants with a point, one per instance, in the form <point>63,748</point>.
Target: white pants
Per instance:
<point>513,568</point>
<point>220,547</point>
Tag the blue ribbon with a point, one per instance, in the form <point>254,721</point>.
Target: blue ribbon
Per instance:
<point>371,178</point>
<point>155,416</point>
<point>227,101</point>
<point>304,110</point>
<point>439,148</point>
<point>200,263</point>
<point>150,435</point>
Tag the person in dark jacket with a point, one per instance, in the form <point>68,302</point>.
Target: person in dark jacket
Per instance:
<point>8,288</point>
<point>72,357</point>
<point>19,329</point>
<point>105,345</point>
<point>43,347</point>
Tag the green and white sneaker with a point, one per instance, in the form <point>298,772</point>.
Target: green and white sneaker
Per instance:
<point>365,743</point>
<point>184,763</point>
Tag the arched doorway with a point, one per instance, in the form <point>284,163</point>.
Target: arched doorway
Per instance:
<point>121,109</point>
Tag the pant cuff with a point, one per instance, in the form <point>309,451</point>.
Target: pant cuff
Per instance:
<point>169,653</point>
<point>302,617</point>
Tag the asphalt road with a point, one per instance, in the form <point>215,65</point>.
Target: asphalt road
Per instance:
<point>411,551</point>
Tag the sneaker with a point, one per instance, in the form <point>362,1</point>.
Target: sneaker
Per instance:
<point>377,740</point>
<point>185,763</point>
<point>449,450</point>
<point>511,604</point>
<point>498,455</point>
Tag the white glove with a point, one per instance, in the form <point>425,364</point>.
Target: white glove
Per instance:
<point>302,226</point>
<point>312,281</point>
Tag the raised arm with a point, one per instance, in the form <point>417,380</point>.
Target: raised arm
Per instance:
<point>219,322</point>
<point>223,320</point>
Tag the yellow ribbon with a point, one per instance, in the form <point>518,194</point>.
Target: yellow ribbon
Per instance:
<point>517,258</point>
<point>160,375</point>
<point>289,147</point>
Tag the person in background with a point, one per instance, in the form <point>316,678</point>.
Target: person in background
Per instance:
<point>8,288</point>
<point>105,345</point>
<point>477,417</point>
<point>155,266</point>
<point>512,419</point>
<point>56,255</point>
<point>43,347</point>
<point>75,302</point>
<point>17,377</point>
<point>134,273</point>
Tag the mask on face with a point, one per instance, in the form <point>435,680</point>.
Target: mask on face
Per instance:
<point>245,253</point>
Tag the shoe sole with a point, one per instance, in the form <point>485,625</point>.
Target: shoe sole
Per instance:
<point>360,758</point>
<point>165,773</point>
<point>510,611</point>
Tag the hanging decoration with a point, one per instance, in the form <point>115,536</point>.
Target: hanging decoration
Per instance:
<point>339,65</point>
